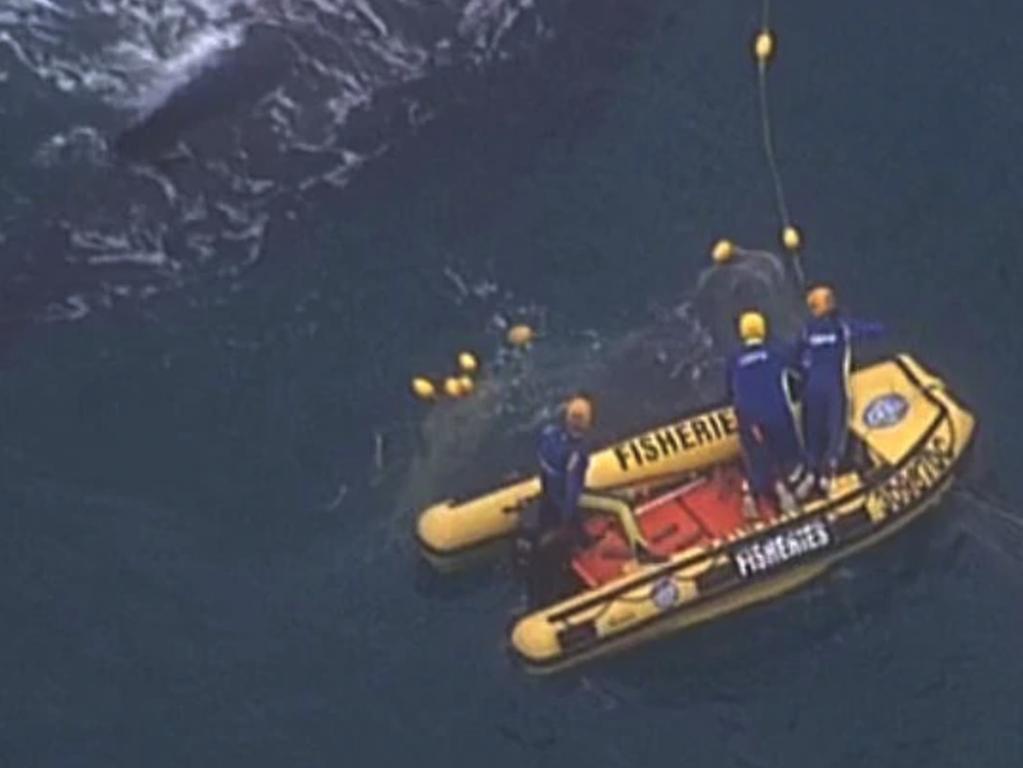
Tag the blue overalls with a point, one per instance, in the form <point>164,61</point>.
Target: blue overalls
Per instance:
<point>563,464</point>
<point>758,387</point>
<point>825,352</point>
<point>551,527</point>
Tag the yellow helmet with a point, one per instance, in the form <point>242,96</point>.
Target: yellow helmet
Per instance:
<point>752,327</point>
<point>820,300</point>
<point>578,414</point>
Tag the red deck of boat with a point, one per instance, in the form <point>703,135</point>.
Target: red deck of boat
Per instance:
<point>707,509</point>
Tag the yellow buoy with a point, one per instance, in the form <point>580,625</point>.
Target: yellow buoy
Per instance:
<point>764,46</point>
<point>791,238</point>
<point>520,335</point>
<point>723,251</point>
<point>453,387</point>
<point>423,388</point>
<point>467,384</point>
<point>467,362</point>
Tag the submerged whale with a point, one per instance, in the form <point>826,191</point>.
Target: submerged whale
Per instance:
<point>235,79</point>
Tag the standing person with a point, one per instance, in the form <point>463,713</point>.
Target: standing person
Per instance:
<point>825,351</point>
<point>555,525</point>
<point>759,388</point>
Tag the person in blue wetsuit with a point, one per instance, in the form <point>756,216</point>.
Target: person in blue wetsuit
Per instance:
<point>555,526</point>
<point>759,386</point>
<point>563,463</point>
<point>825,352</point>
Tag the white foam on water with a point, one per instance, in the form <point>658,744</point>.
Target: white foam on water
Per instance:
<point>163,75</point>
<point>81,142</point>
<point>126,58</point>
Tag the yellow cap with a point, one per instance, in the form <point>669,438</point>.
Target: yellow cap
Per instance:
<point>820,300</point>
<point>467,384</point>
<point>791,238</point>
<point>579,414</point>
<point>520,335</point>
<point>723,251</point>
<point>764,46</point>
<point>467,362</point>
<point>453,387</point>
<point>752,327</point>
<point>423,388</point>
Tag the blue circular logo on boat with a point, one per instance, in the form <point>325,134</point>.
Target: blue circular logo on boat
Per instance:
<point>885,411</point>
<point>665,593</point>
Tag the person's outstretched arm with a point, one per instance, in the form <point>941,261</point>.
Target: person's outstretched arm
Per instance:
<point>864,329</point>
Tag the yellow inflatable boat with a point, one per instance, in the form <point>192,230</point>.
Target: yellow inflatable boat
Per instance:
<point>683,480</point>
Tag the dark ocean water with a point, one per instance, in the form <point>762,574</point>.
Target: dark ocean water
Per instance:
<point>209,462</point>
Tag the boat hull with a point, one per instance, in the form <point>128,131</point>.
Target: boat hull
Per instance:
<point>916,437</point>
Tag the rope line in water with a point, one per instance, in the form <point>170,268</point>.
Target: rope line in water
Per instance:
<point>763,50</point>
<point>765,123</point>
<point>994,506</point>
<point>791,238</point>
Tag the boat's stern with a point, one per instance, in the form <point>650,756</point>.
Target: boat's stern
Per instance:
<point>904,415</point>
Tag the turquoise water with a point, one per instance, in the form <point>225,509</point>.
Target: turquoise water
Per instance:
<point>209,493</point>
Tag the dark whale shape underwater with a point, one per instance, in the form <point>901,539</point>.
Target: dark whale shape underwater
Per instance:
<point>238,78</point>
